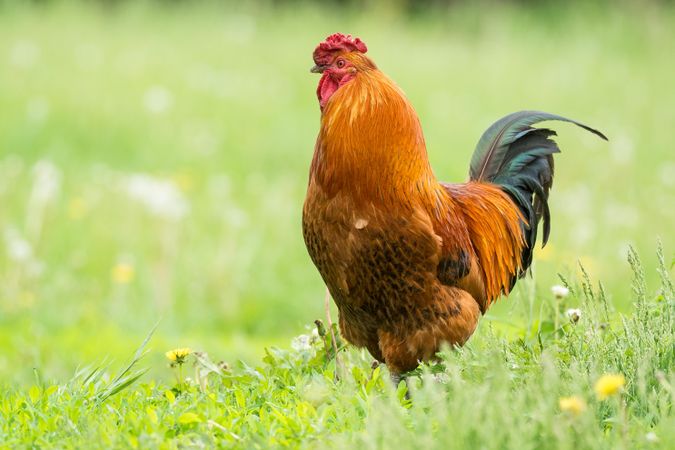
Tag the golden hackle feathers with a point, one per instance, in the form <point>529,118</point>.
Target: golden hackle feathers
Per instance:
<point>370,140</point>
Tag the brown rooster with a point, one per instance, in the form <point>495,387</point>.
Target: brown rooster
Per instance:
<point>411,262</point>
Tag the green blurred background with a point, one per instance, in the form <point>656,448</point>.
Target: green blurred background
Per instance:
<point>154,156</point>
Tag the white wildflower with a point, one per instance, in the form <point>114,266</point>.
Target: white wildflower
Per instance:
<point>651,437</point>
<point>574,314</point>
<point>24,54</point>
<point>46,187</point>
<point>441,377</point>
<point>301,343</point>
<point>46,181</point>
<point>157,100</point>
<point>161,197</point>
<point>37,109</point>
<point>18,249</point>
<point>560,291</point>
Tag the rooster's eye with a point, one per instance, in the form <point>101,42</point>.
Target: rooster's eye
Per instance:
<point>340,63</point>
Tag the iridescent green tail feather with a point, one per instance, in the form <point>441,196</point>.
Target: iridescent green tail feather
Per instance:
<point>519,158</point>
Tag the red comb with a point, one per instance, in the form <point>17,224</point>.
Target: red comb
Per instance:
<point>337,42</point>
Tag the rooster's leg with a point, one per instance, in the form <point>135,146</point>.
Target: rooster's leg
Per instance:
<point>396,378</point>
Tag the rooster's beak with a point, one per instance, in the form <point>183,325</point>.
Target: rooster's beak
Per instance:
<point>318,68</point>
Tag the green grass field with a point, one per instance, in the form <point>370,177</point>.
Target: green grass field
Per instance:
<point>153,162</point>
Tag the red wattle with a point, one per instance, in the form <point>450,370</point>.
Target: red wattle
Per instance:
<point>327,87</point>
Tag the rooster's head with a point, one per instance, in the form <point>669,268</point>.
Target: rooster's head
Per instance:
<point>339,59</point>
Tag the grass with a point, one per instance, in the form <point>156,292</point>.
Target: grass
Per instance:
<point>493,393</point>
<point>153,162</point>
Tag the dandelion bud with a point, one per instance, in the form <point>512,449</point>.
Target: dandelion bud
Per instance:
<point>574,314</point>
<point>320,328</point>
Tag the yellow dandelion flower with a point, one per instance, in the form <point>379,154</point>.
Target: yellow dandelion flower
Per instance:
<point>608,385</point>
<point>184,181</point>
<point>77,208</point>
<point>178,355</point>
<point>28,298</point>
<point>574,405</point>
<point>122,273</point>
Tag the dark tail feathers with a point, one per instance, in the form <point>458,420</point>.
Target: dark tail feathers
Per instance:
<point>519,158</point>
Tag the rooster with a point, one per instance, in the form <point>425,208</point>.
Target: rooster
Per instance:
<point>411,262</point>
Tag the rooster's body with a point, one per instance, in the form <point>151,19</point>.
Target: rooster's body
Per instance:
<point>410,262</point>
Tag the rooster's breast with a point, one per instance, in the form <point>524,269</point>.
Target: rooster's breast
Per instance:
<point>379,264</point>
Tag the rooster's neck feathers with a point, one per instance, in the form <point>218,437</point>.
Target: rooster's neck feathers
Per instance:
<point>371,144</point>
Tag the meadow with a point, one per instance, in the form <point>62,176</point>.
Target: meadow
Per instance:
<point>153,162</point>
